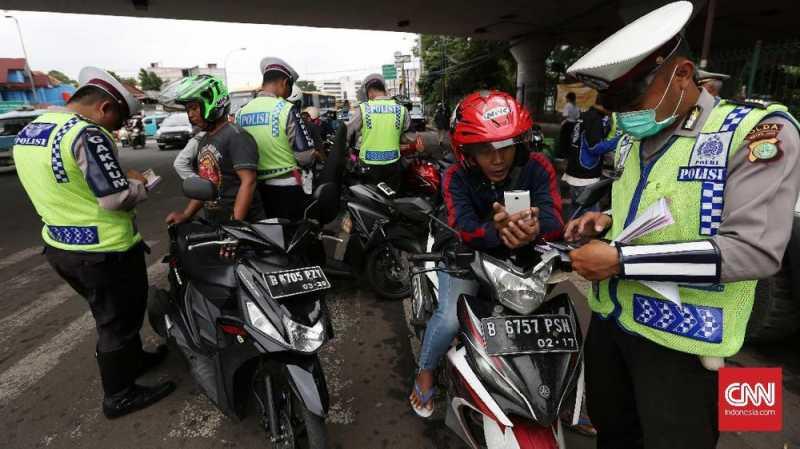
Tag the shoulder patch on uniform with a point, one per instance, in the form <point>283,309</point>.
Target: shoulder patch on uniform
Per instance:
<point>36,133</point>
<point>103,171</point>
<point>765,150</point>
<point>764,131</point>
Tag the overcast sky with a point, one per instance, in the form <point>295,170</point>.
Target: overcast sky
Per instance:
<point>67,42</point>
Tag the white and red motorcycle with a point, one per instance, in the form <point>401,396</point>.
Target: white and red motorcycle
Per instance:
<point>518,357</point>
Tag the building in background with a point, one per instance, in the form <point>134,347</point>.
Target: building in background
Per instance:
<point>344,88</point>
<point>170,74</point>
<point>15,86</point>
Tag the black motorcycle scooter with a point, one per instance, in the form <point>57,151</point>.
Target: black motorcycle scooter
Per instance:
<point>250,327</point>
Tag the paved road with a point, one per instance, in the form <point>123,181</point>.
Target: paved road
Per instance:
<point>50,392</point>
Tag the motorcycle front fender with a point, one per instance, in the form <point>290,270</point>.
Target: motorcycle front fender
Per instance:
<point>308,383</point>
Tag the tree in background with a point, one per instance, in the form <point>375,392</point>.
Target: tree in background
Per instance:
<point>149,80</point>
<point>61,77</point>
<point>456,66</point>
<point>122,79</point>
<point>306,86</point>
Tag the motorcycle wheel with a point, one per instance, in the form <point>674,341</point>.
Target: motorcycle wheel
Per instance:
<point>386,273</point>
<point>299,428</point>
<point>157,308</point>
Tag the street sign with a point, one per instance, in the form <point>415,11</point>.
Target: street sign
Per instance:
<point>389,71</point>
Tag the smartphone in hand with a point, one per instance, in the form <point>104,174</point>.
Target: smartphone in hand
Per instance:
<point>517,200</point>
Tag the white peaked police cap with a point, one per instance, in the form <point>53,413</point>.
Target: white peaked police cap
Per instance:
<point>271,63</point>
<point>635,50</point>
<point>100,79</point>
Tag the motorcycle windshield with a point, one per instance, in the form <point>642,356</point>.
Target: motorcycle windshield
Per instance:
<point>532,383</point>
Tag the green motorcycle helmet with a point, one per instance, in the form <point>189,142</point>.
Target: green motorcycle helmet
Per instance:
<point>207,90</point>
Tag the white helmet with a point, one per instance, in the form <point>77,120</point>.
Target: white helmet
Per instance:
<point>296,94</point>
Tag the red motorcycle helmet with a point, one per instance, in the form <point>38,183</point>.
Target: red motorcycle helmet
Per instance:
<point>488,116</point>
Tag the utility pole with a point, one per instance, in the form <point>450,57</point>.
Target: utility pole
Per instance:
<point>35,96</point>
<point>443,41</point>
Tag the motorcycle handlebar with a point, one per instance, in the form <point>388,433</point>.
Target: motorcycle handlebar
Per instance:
<point>201,236</point>
<point>426,257</point>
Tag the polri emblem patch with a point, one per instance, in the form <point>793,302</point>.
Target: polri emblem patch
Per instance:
<point>36,133</point>
<point>709,158</point>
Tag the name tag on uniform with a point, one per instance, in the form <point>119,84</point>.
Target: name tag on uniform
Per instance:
<point>709,160</point>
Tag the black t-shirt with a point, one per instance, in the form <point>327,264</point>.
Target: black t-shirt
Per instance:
<point>592,127</point>
<point>218,158</point>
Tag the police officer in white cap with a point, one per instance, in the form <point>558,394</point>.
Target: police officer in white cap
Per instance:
<point>711,81</point>
<point>284,144</point>
<point>729,172</point>
<point>67,163</point>
<point>377,127</point>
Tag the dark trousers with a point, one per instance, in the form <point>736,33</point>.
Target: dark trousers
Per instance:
<point>391,174</point>
<point>643,395</point>
<point>115,286</point>
<point>283,201</point>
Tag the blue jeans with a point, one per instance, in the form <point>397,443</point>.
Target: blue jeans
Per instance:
<point>443,325</point>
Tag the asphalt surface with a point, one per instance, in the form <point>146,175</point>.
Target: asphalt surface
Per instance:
<point>49,387</point>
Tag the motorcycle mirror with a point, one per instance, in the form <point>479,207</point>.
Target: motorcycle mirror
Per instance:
<point>198,188</point>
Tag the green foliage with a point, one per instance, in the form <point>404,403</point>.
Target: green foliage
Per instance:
<point>560,59</point>
<point>149,80</point>
<point>465,65</point>
<point>63,78</point>
<point>306,86</point>
<point>122,79</point>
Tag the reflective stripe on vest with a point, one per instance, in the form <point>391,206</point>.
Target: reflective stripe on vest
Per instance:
<point>73,219</point>
<point>691,173</point>
<point>381,127</point>
<point>265,118</point>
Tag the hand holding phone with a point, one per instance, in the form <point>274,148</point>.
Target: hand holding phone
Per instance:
<point>517,201</point>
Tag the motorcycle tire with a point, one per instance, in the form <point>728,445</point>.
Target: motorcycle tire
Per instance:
<point>386,275</point>
<point>316,435</point>
<point>157,308</point>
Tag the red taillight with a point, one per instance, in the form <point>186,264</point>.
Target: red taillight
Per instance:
<point>233,330</point>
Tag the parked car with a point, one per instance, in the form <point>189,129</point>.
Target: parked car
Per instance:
<point>153,122</point>
<point>12,123</point>
<point>175,131</point>
<point>417,115</point>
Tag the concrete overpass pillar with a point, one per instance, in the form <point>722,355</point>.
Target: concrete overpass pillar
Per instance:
<point>530,54</point>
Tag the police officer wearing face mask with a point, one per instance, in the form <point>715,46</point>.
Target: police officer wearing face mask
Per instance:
<point>730,173</point>
<point>67,163</point>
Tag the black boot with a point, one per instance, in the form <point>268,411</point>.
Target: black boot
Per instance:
<point>118,370</point>
<point>135,397</point>
<point>149,360</point>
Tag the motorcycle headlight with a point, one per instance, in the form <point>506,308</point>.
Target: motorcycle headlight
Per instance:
<point>521,293</point>
<point>262,323</point>
<point>304,338</point>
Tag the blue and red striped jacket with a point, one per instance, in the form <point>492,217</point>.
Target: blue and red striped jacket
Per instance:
<point>469,195</point>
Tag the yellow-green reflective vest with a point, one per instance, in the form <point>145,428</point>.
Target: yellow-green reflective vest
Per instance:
<point>73,219</point>
<point>691,173</point>
<point>381,128</point>
<point>265,118</point>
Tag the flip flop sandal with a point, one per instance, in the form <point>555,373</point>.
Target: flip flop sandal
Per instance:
<point>424,399</point>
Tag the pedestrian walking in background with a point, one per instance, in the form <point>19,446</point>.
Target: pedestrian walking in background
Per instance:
<point>570,116</point>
